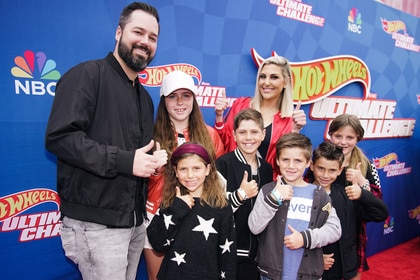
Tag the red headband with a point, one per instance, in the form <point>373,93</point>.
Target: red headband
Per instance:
<point>192,148</point>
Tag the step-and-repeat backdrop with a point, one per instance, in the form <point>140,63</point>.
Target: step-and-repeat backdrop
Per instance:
<point>357,57</point>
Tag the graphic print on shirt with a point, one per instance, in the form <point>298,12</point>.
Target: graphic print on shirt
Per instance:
<point>205,226</point>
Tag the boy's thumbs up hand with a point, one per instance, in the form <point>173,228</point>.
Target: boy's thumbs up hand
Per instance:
<point>250,188</point>
<point>294,240</point>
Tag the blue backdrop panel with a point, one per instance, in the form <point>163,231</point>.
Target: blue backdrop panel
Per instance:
<point>43,39</point>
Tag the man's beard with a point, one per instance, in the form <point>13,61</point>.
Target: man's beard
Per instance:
<point>135,63</point>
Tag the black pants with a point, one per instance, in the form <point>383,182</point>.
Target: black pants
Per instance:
<point>247,271</point>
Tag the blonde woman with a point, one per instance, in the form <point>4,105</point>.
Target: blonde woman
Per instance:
<point>273,98</point>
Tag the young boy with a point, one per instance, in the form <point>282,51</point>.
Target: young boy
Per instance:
<point>295,251</point>
<point>245,172</point>
<point>353,205</point>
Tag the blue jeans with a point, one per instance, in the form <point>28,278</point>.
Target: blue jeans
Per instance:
<point>101,252</point>
<point>263,277</point>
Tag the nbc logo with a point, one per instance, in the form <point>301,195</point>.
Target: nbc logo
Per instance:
<point>355,21</point>
<point>389,225</point>
<point>35,65</point>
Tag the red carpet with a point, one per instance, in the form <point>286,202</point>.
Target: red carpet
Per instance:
<point>399,262</point>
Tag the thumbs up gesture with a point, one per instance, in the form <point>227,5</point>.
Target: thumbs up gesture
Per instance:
<point>285,190</point>
<point>220,106</point>
<point>161,156</point>
<point>299,118</point>
<point>250,188</point>
<point>354,191</point>
<point>355,175</point>
<point>144,164</point>
<point>187,198</point>
<point>294,240</point>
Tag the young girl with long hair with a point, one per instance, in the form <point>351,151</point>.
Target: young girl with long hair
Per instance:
<point>194,226</point>
<point>346,131</point>
<point>178,120</point>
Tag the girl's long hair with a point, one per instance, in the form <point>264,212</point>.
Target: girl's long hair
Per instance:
<point>164,130</point>
<point>285,101</point>
<point>357,154</point>
<point>213,192</point>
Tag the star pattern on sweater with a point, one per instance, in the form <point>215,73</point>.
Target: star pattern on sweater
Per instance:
<point>168,242</point>
<point>168,220</point>
<point>226,247</point>
<point>223,274</point>
<point>205,226</point>
<point>179,258</point>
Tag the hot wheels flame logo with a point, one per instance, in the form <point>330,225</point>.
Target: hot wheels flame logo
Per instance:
<point>317,79</point>
<point>380,163</point>
<point>17,203</point>
<point>415,213</point>
<point>393,26</point>
<point>153,76</point>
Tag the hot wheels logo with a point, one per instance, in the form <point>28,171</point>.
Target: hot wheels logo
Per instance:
<point>393,26</point>
<point>153,76</point>
<point>317,79</point>
<point>17,203</point>
<point>385,160</point>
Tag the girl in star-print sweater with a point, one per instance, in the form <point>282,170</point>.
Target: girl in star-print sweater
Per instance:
<point>194,225</point>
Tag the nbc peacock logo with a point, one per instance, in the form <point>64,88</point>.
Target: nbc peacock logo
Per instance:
<point>37,74</point>
<point>389,225</point>
<point>354,21</point>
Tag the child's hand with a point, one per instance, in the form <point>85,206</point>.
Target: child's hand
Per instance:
<point>250,188</point>
<point>355,175</point>
<point>188,199</point>
<point>161,155</point>
<point>294,240</point>
<point>354,191</point>
<point>285,190</point>
<point>328,261</point>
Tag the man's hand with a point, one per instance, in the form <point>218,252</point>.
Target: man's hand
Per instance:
<point>144,164</point>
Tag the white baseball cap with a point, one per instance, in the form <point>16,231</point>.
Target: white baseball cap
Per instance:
<point>175,80</point>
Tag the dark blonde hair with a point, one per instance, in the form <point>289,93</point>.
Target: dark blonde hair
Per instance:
<point>248,114</point>
<point>357,154</point>
<point>212,195</point>
<point>294,140</point>
<point>285,102</point>
<point>164,130</point>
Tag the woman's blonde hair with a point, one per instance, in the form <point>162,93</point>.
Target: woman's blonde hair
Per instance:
<point>285,102</point>
<point>212,195</point>
<point>357,154</point>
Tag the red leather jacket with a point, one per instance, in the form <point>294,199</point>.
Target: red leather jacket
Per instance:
<point>280,126</point>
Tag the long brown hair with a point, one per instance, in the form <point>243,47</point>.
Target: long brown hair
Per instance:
<point>164,131</point>
<point>213,191</point>
<point>357,154</point>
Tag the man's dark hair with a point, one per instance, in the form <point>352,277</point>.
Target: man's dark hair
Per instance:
<point>128,10</point>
